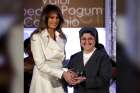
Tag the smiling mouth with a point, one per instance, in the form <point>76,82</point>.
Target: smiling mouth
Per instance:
<point>88,44</point>
<point>54,24</point>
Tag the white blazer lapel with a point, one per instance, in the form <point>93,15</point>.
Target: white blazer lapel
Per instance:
<point>49,46</point>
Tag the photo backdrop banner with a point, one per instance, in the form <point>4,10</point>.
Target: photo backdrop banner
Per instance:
<point>77,13</point>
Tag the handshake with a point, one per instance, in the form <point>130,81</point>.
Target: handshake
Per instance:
<point>74,77</point>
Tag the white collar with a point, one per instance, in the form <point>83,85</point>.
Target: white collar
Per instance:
<point>45,33</point>
<point>88,54</point>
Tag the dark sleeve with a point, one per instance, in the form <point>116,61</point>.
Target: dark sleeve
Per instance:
<point>70,63</point>
<point>103,76</point>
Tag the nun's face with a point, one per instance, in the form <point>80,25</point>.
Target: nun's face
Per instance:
<point>87,42</point>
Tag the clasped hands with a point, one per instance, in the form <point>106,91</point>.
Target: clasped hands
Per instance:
<point>72,78</point>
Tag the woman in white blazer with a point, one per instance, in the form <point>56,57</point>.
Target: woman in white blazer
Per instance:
<point>47,45</point>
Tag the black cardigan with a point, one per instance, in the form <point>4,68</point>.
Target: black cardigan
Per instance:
<point>97,71</point>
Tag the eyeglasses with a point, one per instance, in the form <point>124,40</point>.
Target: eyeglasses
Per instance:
<point>90,38</point>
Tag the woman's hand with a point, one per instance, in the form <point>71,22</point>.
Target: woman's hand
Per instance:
<point>69,77</point>
<point>79,80</point>
<point>72,78</point>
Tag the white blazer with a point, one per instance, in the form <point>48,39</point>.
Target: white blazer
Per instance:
<point>48,56</point>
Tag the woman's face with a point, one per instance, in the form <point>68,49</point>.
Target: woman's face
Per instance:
<point>53,20</point>
<point>87,42</point>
